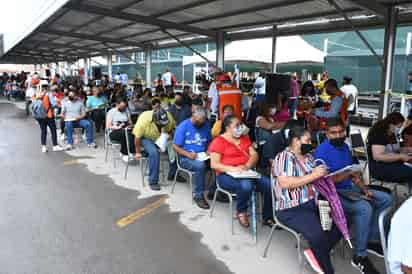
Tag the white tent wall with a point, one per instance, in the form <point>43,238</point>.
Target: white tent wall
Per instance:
<point>290,49</point>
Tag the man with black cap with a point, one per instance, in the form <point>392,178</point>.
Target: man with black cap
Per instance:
<point>150,125</point>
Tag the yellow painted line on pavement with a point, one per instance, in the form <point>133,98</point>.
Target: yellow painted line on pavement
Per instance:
<point>71,162</point>
<point>125,221</point>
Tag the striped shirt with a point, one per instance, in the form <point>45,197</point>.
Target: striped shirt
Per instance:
<point>286,164</point>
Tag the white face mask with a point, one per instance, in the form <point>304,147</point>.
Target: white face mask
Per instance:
<point>237,132</point>
<point>273,111</point>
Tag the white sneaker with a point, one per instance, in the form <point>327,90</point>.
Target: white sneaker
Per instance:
<point>69,147</point>
<point>92,145</point>
<point>57,148</point>
<point>43,149</point>
<point>125,158</point>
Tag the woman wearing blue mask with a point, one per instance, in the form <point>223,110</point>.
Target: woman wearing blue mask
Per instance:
<point>233,152</point>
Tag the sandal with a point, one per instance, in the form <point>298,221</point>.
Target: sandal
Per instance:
<point>243,219</point>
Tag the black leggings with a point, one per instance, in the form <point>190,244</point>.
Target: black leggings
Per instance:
<point>120,136</point>
<point>98,116</point>
<point>391,172</point>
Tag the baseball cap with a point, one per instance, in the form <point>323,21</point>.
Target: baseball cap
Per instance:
<point>44,83</point>
<point>347,78</point>
<point>160,116</point>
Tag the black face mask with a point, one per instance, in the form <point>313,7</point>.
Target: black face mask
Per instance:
<point>337,142</point>
<point>305,148</point>
<point>98,95</point>
<point>71,98</point>
<point>179,103</point>
<point>198,125</point>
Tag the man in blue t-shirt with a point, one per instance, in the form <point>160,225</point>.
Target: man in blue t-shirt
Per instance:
<point>191,139</point>
<point>363,211</point>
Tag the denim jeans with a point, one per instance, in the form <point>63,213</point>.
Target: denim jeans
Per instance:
<point>198,167</point>
<point>86,124</point>
<point>44,123</point>
<point>154,161</point>
<point>243,189</point>
<point>364,215</point>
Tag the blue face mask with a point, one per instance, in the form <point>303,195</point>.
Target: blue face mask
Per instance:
<point>237,132</point>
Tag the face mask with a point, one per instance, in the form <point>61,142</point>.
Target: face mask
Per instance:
<point>98,95</point>
<point>71,98</point>
<point>305,148</point>
<point>273,111</point>
<point>337,142</point>
<point>179,103</point>
<point>198,125</point>
<point>237,132</point>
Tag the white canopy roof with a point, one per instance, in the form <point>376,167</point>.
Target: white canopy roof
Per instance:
<point>292,49</point>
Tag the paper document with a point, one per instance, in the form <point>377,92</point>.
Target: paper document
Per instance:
<point>351,168</point>
<point>202,156</point>
<point>407,164</point>
<point>249,174</point>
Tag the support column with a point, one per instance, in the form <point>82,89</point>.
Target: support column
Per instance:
<point>148,65</point>
<point>220,50</point>
<point>35,67</point>
<point>109,66</point>
<point>388,54</point>
<point>274,40</point>
<point>86,70</point>
<point>57,71</point>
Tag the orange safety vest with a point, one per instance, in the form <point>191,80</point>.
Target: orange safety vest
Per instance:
<point>230,95</point>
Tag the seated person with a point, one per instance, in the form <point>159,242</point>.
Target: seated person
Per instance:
<point>280,112</point>
<point>118,118</point>
<point>400,240</point>
<point>233,152</point>
<point>265,124</point>
<point>384,164</point>
<point>364,213</point>
<point>192,136</point>
<point>295,198</point>
<point>217,126</point>
<point>179,109</point>
<point>96,106</point>
<point>407,140</point>
<point>147,130</point>
<point>74,115</point>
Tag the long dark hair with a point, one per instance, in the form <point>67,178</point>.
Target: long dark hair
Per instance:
<point>295,131</point>
<point>307,84</point>
<point>226,122</point>
<point>382,126</point>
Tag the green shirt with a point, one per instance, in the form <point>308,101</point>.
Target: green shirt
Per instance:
<point>146,127</point>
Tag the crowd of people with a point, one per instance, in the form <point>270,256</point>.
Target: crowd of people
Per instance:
<point>282,141</point>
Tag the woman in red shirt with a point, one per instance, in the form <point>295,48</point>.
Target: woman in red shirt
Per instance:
<point>233,152</point>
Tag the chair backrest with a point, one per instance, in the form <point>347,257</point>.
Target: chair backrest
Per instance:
<point>357,140</point>
<point>126,134</point>
<point>383,235</point>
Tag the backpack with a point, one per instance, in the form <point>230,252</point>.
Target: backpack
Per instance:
<point>38,110</point>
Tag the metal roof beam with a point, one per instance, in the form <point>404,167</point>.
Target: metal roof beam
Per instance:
<point>372,6</point>
<point>149,20</point>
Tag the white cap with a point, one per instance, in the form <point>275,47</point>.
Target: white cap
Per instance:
<point>44,83</point>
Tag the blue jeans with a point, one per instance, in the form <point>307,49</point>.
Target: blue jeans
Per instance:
<point>154,161</point>
<point>83,124</point>
<point>364,215</point>
<point>198,167</point>
<point>44,123</point>
<point>293,104</point>
<point>243,189</point>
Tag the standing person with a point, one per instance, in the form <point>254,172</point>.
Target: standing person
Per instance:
<point>192,137</point>
<point>167,79</point>
<point>351,95</point>
<point>294,94</point>
<point>294,175</point>
<point>363,212</point>
<point>260,87</point>
<point>30,92</point>
<point>42,111</point>
<point>338,106</point>
<point>74,115</point>
<point>179,109</point>
<point>187,95</point>
<point>118,118</point>
<point>147,130</point>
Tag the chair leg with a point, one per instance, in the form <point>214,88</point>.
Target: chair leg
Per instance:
<point>126,170</point>
<point>191,187</point>
<point>231,214</point>
<point>174,182</point>
<point>107,153</point>
<point>299,247</point>
<point>213,204</point>
<point>269,240</point>
<point>142,171</point>
<point>114,158</point>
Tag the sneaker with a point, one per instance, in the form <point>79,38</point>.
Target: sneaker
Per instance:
<point>222,198</point>
<point>43,149</point>
<point>155,187</point>
<point>92,145</point>
<point>364,265</point>
<point>57,148</point>
<point>202,203</point>
<point>69,147</point>
<point>375,249</point>
<point>313,262</point>
<point>127,159</point>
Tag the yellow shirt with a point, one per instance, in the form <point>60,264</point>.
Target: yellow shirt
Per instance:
<point>217,128</point>
<point>146,128</point>
<point>323,94</point>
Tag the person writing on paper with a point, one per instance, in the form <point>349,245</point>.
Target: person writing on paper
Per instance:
<point>233,152</point>
<point>364,213</point>
<point>294,172</point>
<point>147,130</point>
<point>191,139</point>
<point>385,163</point>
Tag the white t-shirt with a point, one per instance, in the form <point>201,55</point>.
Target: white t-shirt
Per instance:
<point>349,90</point>
<point>214,96</point>
<point>400,239</point>
<point>167,79</point>
<point>260,85</point>
<point>30,92</point>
